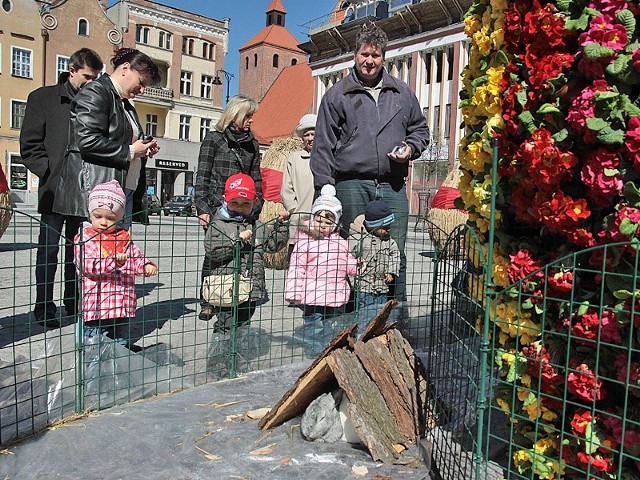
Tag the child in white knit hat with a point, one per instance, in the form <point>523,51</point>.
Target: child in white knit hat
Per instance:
<point>108,261</point>
<point>319,269</point>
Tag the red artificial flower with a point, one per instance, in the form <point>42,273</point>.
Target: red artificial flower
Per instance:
<point>560,283</point>
<point>632,141</point>
<point>600,175</point>
<point>522,265</point>
<point>584,384</point>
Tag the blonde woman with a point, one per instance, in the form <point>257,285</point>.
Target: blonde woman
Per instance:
<point>228,149</point>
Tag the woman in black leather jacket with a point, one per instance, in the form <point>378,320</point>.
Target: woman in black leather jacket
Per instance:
<point>106,133</point>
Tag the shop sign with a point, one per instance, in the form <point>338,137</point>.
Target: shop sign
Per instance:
<point>172,164</point>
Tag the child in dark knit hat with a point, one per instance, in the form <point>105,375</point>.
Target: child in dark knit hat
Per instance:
<point>373,244</point>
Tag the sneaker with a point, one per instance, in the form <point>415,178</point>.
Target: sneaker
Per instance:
<point>48,322</point>
<point>206,313</point>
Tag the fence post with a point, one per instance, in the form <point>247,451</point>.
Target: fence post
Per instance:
<point>233,340</point>
<point>79,403</point>
<point>489,295</point>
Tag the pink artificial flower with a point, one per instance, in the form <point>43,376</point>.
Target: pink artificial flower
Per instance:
<point>632,142</point>
<point>584,384</point>
<point>601,177</point>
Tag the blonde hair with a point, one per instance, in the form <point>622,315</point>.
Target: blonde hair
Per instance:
<point>238,107</point>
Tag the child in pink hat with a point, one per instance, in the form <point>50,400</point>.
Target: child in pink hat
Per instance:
<point>108,262</point>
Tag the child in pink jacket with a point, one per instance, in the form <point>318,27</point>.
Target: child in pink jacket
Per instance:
<point>320,265</point>
<point>108,261</point>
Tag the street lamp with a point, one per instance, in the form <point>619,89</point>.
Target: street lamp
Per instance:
<point>228,76</point>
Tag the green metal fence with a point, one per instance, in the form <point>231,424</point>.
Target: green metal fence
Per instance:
<point>48,374</point>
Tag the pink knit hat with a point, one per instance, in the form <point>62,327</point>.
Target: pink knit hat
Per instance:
<point>109,196</point>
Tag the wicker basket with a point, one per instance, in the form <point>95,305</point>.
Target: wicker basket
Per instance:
<point>276,157</point>
<point>442,222</point>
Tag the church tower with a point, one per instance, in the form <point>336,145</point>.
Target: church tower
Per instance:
<point>270,51</point>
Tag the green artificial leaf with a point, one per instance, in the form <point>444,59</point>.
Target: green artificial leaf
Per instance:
<point>611,172</point>
<point>502,58</point>
<point>592,442</point>
<point>583,308</point>
<point>561,135</point>
<point>538,309</point>
<point>626,18</point>
<point>595,51</point>
<point>548,108</point>
<point>564,5</point>
<point>517,367</point>
<point>610,136</point>
<point>580,23</point>
<point>628,228</point>
<point>467,103</point>
<point>600,96</point>
<point>619,65</point>
<point>521,96</point>
<point>479,81</point>
<point>632,194</point>
<point>526,118</point>
<point>596,124</point>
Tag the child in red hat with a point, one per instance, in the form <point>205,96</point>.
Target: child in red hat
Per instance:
<point>236,230</point>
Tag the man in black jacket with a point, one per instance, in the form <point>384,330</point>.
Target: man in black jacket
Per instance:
<point>43,140</point>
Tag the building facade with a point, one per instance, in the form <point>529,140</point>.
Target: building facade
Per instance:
<point>21,71</point>
<point>189,50</point>
<point>427,49</point>
<point>268,53</point>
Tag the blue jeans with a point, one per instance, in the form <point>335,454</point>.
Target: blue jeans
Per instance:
<point>356,194</point>
<point>318,328</point>
<point>128,209</point>
<point>369,305</point>
<point>47,264</point>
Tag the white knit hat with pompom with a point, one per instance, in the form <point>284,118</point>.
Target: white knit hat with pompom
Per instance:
<point>328,201</point>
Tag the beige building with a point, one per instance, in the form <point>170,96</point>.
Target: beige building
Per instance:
<point>21,71</point>
<point>190,51</point>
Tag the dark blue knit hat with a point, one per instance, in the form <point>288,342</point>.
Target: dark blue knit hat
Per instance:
<point>378,214</point>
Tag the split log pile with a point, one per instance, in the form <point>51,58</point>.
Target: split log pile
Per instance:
<point>382,378</point>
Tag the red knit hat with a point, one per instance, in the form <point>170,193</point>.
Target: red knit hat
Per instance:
<point>239,186</point>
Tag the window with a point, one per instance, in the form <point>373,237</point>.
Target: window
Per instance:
<point>21,62</point>
<point>255,59</point>
<point>205,126</point>
<point>427,68</point>
<point>62,65</point>
<point>185,82</point>
<point>447,120</point>
<point>185,126</point>
<point>17,113</point>
<point>206,87</point>
<point>275,60</point>
<point>450,63</point>
<point>83,27</point>
<point>207,50</point>
<point>17,173</point>
<point>246,63</point>
<point>436,123</point>
<point>6,5</point>
<point>439,60</point>
<point>142,34</point>
<point>279,19</point>
<point>164,40</point>
<point>294,61</point>
<point>152,125</point>
<point>187,46</point>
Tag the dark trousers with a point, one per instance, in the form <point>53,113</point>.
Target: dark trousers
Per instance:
<point>355,194</point>
<point>47,264</point>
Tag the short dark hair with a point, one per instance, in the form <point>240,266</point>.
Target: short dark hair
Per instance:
<point>371,34</point>
<point>138,61</point>
<point>85,57</point>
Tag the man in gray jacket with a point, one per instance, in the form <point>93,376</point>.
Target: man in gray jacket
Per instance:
<point>43,140</point>
<point>369,126</point>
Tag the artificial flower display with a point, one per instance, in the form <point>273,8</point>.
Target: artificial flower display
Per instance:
<point>557,84</point>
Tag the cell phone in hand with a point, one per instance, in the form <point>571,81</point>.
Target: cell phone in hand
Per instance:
<point>147,139</point>
<point>399,149</point>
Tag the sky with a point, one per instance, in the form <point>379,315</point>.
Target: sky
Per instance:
<point>248,17</point>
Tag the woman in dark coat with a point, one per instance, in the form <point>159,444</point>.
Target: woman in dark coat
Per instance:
<point>228,149</point>
<point>106,134</point>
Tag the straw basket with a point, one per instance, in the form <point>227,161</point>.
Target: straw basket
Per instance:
<point>442,222</point>
<point>275,158</point>
<point>5,203</point>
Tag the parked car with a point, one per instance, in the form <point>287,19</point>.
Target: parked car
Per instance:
<point>179,205</point>
<point>152,204</point>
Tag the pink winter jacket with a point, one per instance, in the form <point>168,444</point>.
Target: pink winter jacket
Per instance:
<point>319,268</point>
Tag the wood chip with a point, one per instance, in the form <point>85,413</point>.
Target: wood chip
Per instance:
<point>360,470</point>
<point>258,413</point>
<point>266,450</point>
<point>207,455</point>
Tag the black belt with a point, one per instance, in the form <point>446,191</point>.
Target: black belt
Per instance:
<point>364,176</point>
